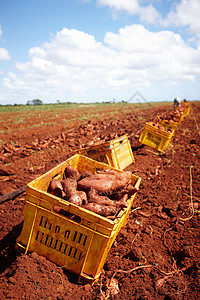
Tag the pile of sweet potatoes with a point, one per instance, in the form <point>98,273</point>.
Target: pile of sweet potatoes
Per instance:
<point>159,126</point>
<point>175,115</point>
<point>105,192</point>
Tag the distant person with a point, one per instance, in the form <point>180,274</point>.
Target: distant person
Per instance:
<point>177,102</point>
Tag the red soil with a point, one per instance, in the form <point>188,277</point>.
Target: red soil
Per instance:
<point>155,256</point>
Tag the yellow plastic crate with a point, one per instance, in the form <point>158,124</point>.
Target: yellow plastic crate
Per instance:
<point>180,119</point>
<point>188,110</point>
<point>185,109</point>
<point>79,244</point>
<point>155,137</point>
<point>116,153</point>
<point>167,123</point>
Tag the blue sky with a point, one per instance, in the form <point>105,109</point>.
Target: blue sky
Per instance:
<point>99,50</point>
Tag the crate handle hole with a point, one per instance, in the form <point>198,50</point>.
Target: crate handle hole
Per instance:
<point>66,214</point>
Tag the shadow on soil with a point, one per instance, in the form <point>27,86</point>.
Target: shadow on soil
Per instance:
<point>7,248</point>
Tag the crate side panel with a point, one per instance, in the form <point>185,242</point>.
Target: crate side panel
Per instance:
<point>63,242</point>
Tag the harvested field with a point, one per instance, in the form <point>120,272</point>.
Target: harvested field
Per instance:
<point>157,254</point>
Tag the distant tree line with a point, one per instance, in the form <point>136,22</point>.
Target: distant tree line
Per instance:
<point>34,102</point>
<point>40,102</point>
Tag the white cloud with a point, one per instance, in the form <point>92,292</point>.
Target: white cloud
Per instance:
<point>4,55</point>
<point>131,6</point>
<point>185,13</point>
<point>163,55</point>
<point>147,13</point>
<point>73,63</point>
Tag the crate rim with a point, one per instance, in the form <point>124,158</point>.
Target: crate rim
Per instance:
<point>111,142</point>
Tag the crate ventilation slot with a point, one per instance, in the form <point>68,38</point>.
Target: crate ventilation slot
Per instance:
<point>57,244</point>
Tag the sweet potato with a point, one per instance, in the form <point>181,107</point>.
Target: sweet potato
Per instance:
<point>129,189</point>
<point>103,200</point>
<point>72,173</point>
<point>117,195</point>
<point>85,174</point>
<point>107,171</point>
<point>55,188</point>
<point>102,210</point>
<point>123,201</point>
<point>107,191</point>
<point>72,195</point>
<point>132,190</point>
<point>105,183</point>
<point>83,196</point>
